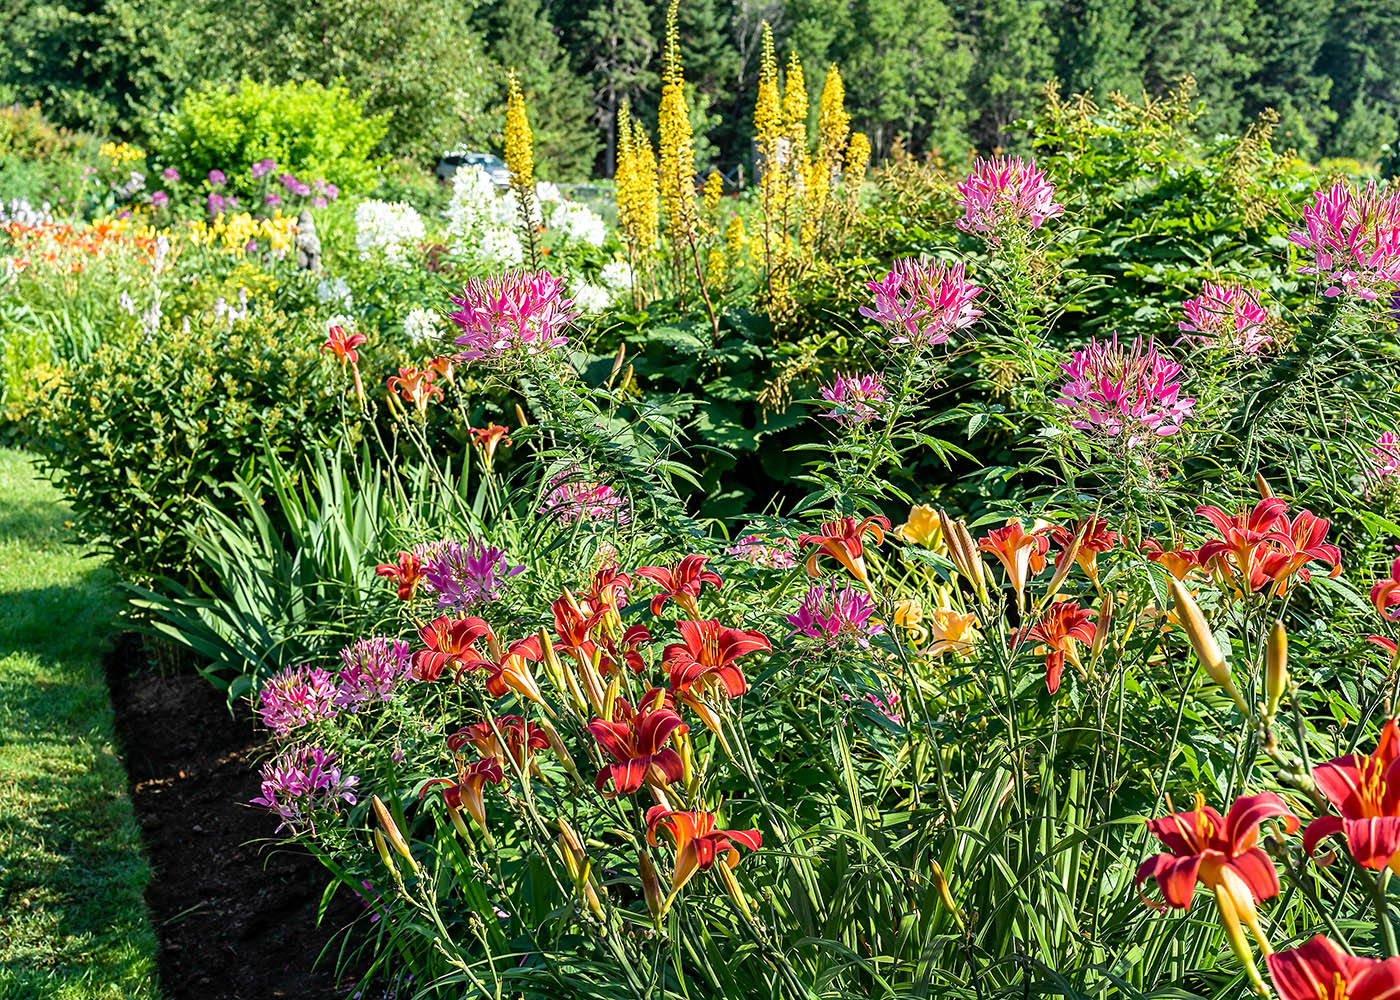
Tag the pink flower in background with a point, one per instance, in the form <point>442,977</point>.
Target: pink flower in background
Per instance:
<point>170,174</point>
<point>921,303</point>
<point>297,696</point>
<point>888,705</point>
<point>465,575</point>
<point>572,498</point>
<point>1227,316</point>
<point>372,669</point>
<point>854,399</point>
<point>770,553</point>
<point>262,168</point>
<point>830,612</point>
<point>301,779</point>
<point>1132,392</point>
<point>1354,238</point>
<point>520,312</point>
<point>1004,193</point>
<point>1385,458</point>
<point>159,199</point>
<point>216,177</point>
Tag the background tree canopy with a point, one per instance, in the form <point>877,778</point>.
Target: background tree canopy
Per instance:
<point>941,75</point>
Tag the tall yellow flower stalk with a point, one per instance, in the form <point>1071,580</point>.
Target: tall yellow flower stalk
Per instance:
<point>833,129</point>
<point>770,140</point>
<point>635,183</point>
<point>677,165</point>
<point>520,159</point>
<point>795,125</point>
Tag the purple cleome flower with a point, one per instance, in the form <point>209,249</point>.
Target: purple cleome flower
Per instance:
<point>372,669</point>
<point>466,575</point>
<point>295,697</point>
<point>831,612</point>
<point>262,168</point>
<point>301,779</point>
<point>216,177</point>
<point>854,399</point>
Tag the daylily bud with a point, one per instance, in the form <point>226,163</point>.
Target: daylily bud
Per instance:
<point>1203,641</point>
<point>617,363</point>
<point>556,743</point>
<point>520,416</point>
<point>391,831</point>
<point>610,695</point>
<point>731,885</point>
<point>1263,486</point>
<point>687,752</point>
<point>940,882</point>
<point>384,855</point>
<point>550,660</point>
<point>1276,668</point>
<point>1062,570</point>
<point>651,886</point>
<point>458,824</point>
<point>1101,628</point>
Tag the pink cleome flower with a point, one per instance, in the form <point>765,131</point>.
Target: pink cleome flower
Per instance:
<point>1227,316</point>
<point>1354,239</point>
<point>510,315</point>
<point>296,696</point>
<point>573,498</point>
<point>769,553</point>
<point>466,575</point>
<point>831,612</point>
<point>1131,392</point>
<point>1385,458</point>
<point>372,669</point>
<point>300,779</point>
<point>1004,193</point>
<point>854,399</point>
<point>921,303</point>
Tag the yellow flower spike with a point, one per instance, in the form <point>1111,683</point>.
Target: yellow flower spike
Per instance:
<point>1276,668</point>
<point>520,141</point>
<point>677,141</point>
<point>714,190</point>
<point>1203,641</point>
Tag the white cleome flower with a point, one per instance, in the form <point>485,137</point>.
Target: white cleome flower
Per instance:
<point>387,226</point>
<point>334,290</point>
<point>617,275</point>
<point>578,223</point>
<point>501,246</point>
<point>421,326</point>
<point>591,298</point>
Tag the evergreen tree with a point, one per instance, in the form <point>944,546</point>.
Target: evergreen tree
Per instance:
<point>521,37</point>
<point>1288,39</point>
<point>1013,62</point>
<point>1363,40</point>
<point>1101,49</point>
<point>1207,39</point>
<point>618,37</point>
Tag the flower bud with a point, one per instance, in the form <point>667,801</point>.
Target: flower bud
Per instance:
<point>1062,570</point>
<point>391,831</point>
<point>384,855</point>
<point>1262,485</point>
<point>1203,641</point>
<point>731,886</point>
<point>1101,628</point>
<point>458,824</point>
<point>651,886</point>
<point>1276,668</point>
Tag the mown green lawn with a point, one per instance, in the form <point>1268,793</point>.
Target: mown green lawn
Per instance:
<point>73,922</point>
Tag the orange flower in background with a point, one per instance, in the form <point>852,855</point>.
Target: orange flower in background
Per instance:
<point>681,584</point>
<point>487,439</point>
<point>1321,970</point>
<point>1064,624</point>
<point>407,574</point>
<point>1177,562</point>
<point>1094,538</point>
<point>698,844</point>
<point>441,366</point>
<point>510,671</point>
<point>1265,547</point>
<point>1308,534</point>
<point>1019,553</point>
<point>521,739</point>
<point>343,345</point>
<point>841,540</point>
<point>415,386</point>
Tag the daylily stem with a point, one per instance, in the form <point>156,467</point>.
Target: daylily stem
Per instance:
<point>1383,913</point>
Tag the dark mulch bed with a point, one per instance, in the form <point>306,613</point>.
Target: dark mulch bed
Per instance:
<point>236,919</point>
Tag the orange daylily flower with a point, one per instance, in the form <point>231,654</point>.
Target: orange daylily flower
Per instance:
<point>487,439</point>
<point>841,540</point>
<point>698,844</point>
<point>1064,624</point>
<point>407,574</point>
<point>681,584</point>
<point>1019,553</point>
<point>415,386</point>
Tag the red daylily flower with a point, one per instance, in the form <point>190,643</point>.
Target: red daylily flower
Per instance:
<point>343,345</point>
<point>415,386</point>
<point>841,540</point>
<point>406,574</point>
<point>698,844</point>
<point>1064,624</point>
<point>1019,553</point>
<point>510,671</point>
<point>451,643</point>
<point>606,588</point>
<point>1308,535</point>
<point>521,738</point>
<point>681,584</point>
<point>466,791</point>
<point>705,656</point>
<point>637,740</point>
<point>1246,540</point>
<point>629,647</point>
<point>1178,562</point>
<point>1094,538</point>
<point>1204,847</point>
<point>1320,970</point>
<point>1365,789</point>
<point>1385,594</point>
<point>487,439</point>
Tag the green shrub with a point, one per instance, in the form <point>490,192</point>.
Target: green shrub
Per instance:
<point>147,430</point>
<point>308,130</point>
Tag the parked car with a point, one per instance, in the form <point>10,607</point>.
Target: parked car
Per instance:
<point>493,165</point>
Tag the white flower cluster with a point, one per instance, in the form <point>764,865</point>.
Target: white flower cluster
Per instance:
<point>390,227</point>
<point>614,281</point>
<point>19,210</point>
<point>335,291</point>
<point>578,223</point>
<point>421,326</point>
